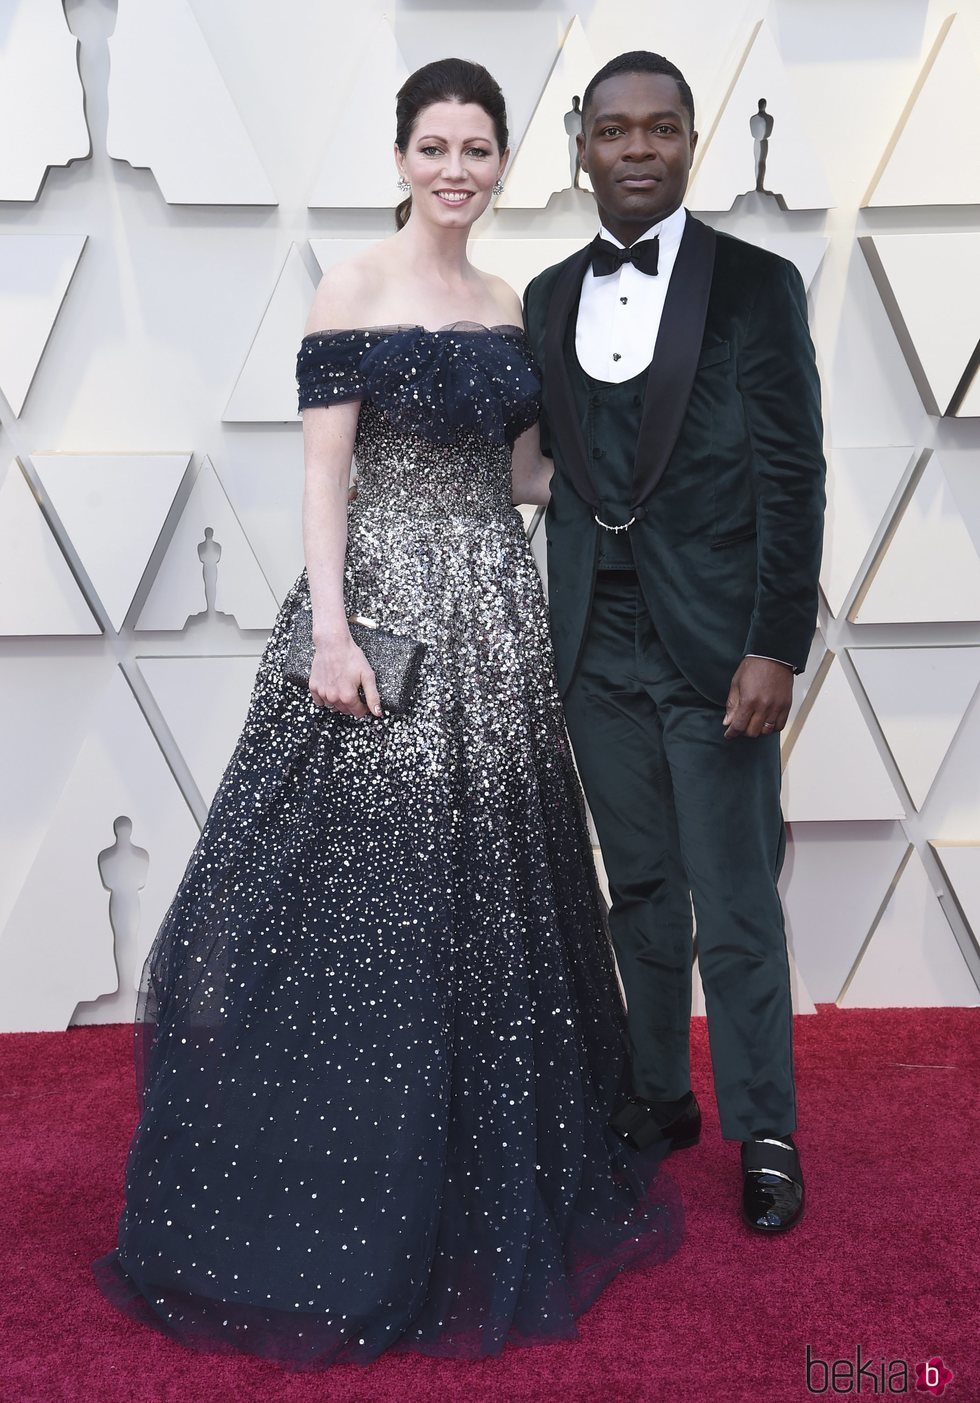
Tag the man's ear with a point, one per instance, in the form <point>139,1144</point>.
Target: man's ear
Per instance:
<point>694,143</point>
<point>580,143</point>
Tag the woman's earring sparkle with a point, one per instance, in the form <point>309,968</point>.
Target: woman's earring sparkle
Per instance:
<point>498,188</point>
<point>403,185</point>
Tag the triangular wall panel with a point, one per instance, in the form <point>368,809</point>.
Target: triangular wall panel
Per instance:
<point>543,163</point>
<point>833,884</point>
<point>869,393</point>
<point>38,592</point>
<point>203,701</point>
<point>930,570</point>
<point>170,111</point>
<point>936,135</point>
<point>912,960</point>
<point>961,864</point>
<point>265,391</point>
<point>361,121</point>
<point>920,696</point>
<point>861,483</point>
<point>35,270</point>
<point>726,164</point>
<point>179,591</point>
<point>931,291</point>
<point>40,737</point>
<point>112,507</point>
<point>50,967</point>
<point>834,770</point>
<point>42,105</point>
<point>969,405</point>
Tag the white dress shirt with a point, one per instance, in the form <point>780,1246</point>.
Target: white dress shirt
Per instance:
<point>619,315</point>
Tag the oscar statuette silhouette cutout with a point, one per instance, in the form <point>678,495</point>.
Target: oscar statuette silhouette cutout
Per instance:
<point>123,870</point>
<point>92,22</point>
<point>573,128</point>
<point>761,125</point>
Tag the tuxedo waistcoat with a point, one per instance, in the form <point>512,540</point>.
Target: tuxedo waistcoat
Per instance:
<point>611,426</point>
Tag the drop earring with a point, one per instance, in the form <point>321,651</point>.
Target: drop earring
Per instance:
<point>498,187</point>
<point>403,185</point>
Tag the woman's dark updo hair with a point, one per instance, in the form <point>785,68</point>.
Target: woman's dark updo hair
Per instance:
<point>446,80</point>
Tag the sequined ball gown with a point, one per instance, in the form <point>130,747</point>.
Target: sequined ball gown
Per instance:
<point>380,1032</point>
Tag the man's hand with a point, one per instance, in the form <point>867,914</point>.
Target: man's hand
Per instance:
<point>758,699</point>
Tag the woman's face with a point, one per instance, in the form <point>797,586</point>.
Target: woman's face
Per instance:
<point>451,162</point>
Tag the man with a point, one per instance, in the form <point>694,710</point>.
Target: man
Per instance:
<point>682,408</point>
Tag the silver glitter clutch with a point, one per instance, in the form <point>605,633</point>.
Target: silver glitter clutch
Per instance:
<point>395,660</point>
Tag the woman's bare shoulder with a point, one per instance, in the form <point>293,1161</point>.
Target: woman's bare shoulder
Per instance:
<point>506,301</point>
<point>346,293</point>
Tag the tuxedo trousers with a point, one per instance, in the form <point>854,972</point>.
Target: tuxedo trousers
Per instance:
<point>685,818</point>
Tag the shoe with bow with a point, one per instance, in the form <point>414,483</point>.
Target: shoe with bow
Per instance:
<point>642,1123</point>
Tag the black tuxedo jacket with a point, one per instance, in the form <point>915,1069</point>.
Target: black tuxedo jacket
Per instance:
<point>728,478</point>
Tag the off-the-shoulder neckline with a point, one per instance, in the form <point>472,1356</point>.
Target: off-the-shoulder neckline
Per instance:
<point>498,328</point>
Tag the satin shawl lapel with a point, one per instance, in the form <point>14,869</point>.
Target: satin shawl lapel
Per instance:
<point>564,416</point>
<point>675,358</point>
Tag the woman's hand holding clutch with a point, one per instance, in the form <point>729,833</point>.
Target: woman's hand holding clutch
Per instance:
<point>342,679</point>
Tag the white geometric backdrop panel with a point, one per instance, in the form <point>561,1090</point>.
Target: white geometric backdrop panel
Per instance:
<point>946,98</point>
<point>729,164</point>
<point>42,106</point>
<point>35,270</point>
<point>169,110</point>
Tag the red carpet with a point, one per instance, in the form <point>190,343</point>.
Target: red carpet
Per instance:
<point>887,1258</point>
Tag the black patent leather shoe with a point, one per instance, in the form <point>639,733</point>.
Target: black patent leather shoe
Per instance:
<point>772,1185</point>
<point>638,1123</point>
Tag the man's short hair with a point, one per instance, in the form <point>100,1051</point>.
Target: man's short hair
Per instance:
<point>641,61</point>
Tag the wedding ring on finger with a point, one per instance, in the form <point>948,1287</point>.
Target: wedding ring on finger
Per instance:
<point>768,725</point>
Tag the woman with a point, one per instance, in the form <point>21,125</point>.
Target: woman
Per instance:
<point>381,1031</point>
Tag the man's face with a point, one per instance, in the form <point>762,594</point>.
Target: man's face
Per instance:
<point>637,147</point>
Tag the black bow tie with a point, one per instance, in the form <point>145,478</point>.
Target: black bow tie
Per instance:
<point>607,258</point>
